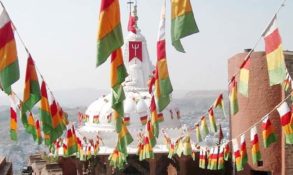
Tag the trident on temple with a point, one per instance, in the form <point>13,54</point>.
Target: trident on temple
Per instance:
<point>135,47</point>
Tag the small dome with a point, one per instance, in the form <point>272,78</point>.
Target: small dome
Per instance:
<point>142,107</point>
<point>129,105</point>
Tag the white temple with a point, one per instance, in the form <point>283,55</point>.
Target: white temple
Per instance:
<point>136,105</point>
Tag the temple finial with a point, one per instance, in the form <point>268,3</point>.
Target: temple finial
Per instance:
<point>130,2</point>
<point>133,18</point>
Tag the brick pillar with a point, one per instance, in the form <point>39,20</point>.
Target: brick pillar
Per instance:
<point>183,165</point>
<point>262,99</point>
<point>152,164</point>
<point>108,167</point>
<point>287,150</point>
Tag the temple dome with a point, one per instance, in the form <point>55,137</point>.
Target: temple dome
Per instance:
<point>141,107</point>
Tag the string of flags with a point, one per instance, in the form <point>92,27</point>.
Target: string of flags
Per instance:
<point>53,119</point>
<point>278,74</point>
<point>221,152</point>
<point>215,155</point>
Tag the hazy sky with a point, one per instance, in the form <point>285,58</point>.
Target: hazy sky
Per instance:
<point>61,36</point>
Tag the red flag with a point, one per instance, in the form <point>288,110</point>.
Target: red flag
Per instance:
<point>135,50</point>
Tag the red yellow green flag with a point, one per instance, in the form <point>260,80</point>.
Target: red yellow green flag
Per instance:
<point>243,151</point>
<point>143,119</point>
<point>71,142</point>
<point>221,162</point>
<point>57,123</point>
<point>287,82</point>
<point>118,74</point>
<point>9,68</point>
<point>204,127</point>
<point>171,152</point>
<point>244,77</point>
<point>110,36</point>
<point>63,116</point>
<point>147,149</point>
<point>117,159</point>
<point>163,84</point>
<point>221,134</point>
<point>197,133</point>
<point>13,117</point>
<point>202,158</point>
<point>237,155</point>
<point>183,23</point>
<point>38,133</point>
<point>79,144</point>
<point>256,156</point>
<point>65,149</point>
<point>124,137</point>
<point>96,147</point>
<point>32,93</point>
<point>32,126</point>
<point>233,96</point>
<point>126,120</point>
<point>213,157</point>
<point>140,148</point>
<point>160,117</point>
<point>213,124</point>
<point>219,103</point>
<point>268,133</point>
<point>274,53</point>
<point>154,117</point>
<point>286,122</point>
<point>187,150</point>
<point>227,152</point>
<point>96,119</point>
<point>45,115</point>
<point>150,133</point>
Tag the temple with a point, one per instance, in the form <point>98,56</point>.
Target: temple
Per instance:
<point>136,105</point>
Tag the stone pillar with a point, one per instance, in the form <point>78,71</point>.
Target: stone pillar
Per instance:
<point>262,99</point>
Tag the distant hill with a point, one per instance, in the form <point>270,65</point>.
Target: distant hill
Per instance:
<point>204,93</point>
<point>83,97</point>
<point>70,97</point>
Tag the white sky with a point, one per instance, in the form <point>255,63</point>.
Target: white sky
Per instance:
<point>61,36</point>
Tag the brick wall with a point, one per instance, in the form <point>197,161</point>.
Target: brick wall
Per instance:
<point>288,159</point>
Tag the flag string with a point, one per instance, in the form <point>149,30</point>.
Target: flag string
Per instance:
<point>255,124</point>
<point>245,58</point>
<point>27,50</point>
<point>268,114</point>
<point>258,40</point>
